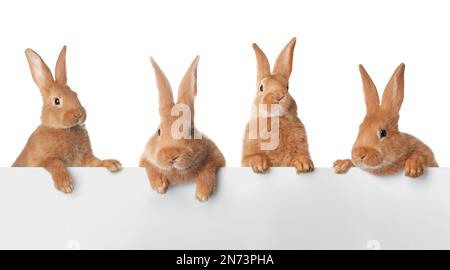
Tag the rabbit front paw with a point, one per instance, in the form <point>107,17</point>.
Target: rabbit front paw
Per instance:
<point>342,165</point>
<point>159,183</point>
<point>259,163</point>
<point>203,194</point>
<point>303,164</point>
<point>63,182</point>
<point>206,184</point>
<point>112,165</point>
<point>204,190</point>
<point>414,167</point>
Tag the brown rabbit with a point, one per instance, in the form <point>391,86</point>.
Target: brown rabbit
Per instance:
<point>272,89</point>
<point>380,148</point>
<point>61,140</point>
<point>170,159</point>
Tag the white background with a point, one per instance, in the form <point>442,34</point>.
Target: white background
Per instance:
<point>109,43</point>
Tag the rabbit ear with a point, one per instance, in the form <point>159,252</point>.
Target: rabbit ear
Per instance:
<point>188,86</point>
<point>263,66</point>
<point>39,70</point>
<point>394,91</point>
<point>165,91</point>
<point>283,64</point>
<point>60,70</point>
<point>370,91</point>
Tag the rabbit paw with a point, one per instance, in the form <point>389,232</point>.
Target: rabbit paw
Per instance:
<point>63,183</point>
<point>203,196</point>
<point>414,167</point>
<point>204,191</point>
<point>303,164</point>
<point>259,163</point>
<point>159,184</point>
<point>342,165</point>
<point>206,184</point>
<point>112,165</point>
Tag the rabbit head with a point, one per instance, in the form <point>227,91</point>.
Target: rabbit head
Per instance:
<point>272,87</point>
<point>61,107</point>
<point>379,143</point>
<point>176,145</point>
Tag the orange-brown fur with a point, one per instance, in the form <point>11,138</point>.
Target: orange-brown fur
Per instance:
<point>61,140</point>
<point>169,160</point>
<point>292,149</point>
<point>395,151</point>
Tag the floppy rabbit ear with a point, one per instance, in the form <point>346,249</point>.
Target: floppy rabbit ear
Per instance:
<point>370,91</point>
<point>394,91</point>
<point>283,64</point>
<point>60,70</point>
<point>165,91</point>
<point>188,86</point>
<point>39,70</point>
<point>263,66</point>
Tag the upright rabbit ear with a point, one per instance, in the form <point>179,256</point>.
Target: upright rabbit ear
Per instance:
<point>39,70</point>
<point>165,91</point>
<point>394,91</point>
<point>60,70</point>
<point>370,91</point>
<point>188,86</point>
<point>263,66</point>
<point>283,64</point>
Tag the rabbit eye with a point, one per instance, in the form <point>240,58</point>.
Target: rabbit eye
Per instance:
<point>383,133</point>
<point>287,87</point>
<point>261,88</point>
<point>159,132</point>
<point>57,101</point>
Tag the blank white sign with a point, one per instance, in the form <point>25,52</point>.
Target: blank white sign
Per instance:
<point>280,210</point>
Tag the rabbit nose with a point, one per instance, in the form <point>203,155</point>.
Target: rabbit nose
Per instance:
<point>360,153</point>
<point>173,159</point>
<point>77,114</point>
<point>171,155</point>
<point>280,98</point>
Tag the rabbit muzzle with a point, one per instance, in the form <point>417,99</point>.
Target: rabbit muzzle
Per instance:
<point>274,97</point>
<point>74,117</point>
<point>174,158</point>
<point>366,157</point>
<point>280,100</point>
